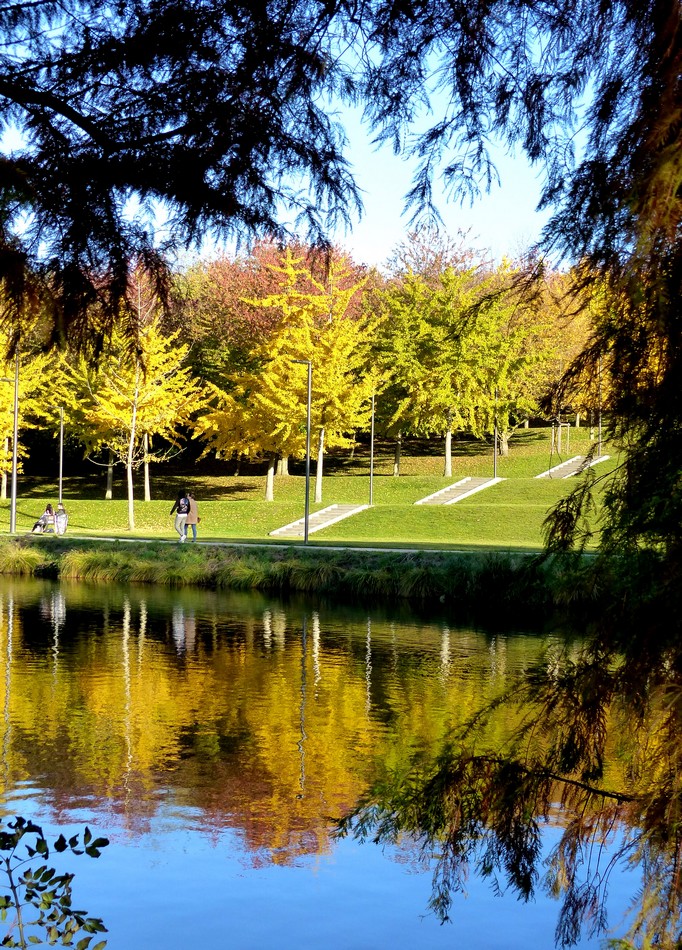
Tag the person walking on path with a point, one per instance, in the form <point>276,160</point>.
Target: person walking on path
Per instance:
<point>181,510</point>
<point>193,518</point>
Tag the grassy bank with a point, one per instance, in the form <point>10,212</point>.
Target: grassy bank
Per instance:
<point>490,586</point>
<point>507,516</point>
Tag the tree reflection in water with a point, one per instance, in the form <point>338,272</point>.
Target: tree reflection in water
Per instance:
<point>478,809</point>
<point>252,716</point>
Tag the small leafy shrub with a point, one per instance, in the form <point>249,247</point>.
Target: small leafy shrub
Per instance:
<point>42,891</point>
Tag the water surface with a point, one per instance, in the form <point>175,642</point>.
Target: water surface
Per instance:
<point>214,738</point>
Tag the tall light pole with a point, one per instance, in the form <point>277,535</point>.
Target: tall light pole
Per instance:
<point>599,437</point>
<point>371,458</point>
<point>306,521</point>
<point>61,450</point>
<point>495,438</point>
<point>15,430</point>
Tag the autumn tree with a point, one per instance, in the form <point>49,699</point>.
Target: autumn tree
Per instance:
<point>214,302</point>
<point>35,392</point>
<point>128,400</point>
<point>429,251</point>
<point>263,412</point>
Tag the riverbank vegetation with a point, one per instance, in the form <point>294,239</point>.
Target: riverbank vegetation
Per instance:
<point>498,588</point>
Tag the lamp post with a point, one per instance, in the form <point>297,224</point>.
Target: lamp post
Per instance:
<point>306,522</point>
<point>61,450</point>
<point>599,420</point>
<point>15,428</point>
<point>495,438</point>
<point>371,458</point>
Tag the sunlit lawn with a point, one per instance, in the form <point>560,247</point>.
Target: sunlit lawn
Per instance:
<point>509,514</point>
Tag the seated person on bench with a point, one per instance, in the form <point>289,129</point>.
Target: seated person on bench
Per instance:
<point>45,522</point>
<point>61,519</point>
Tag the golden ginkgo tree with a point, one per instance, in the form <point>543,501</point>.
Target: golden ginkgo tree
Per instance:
<point>35,380</point>
<point>262,412</point>
<point>130,398</point>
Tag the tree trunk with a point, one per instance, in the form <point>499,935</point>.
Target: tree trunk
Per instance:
<point>147,487</point>
<point>503,443</point>
<point>109,494</point>
<point>396,456</point>
<point>447,470</point>
<point>577,420</point>
<point>318,471</point>
<point>283,465</point>
<point>236,468</point>
<point>270,479</point>
<point>131,503</point>
<point>131,457</point>
<point>3,485</point>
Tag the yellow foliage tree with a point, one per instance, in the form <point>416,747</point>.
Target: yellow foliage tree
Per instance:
<point>263,412</point>
<point>128,399</point>
<point>35,382</point>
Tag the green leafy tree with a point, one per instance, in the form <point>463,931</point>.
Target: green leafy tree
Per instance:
<point>510,350</point>
<point>422,350</point>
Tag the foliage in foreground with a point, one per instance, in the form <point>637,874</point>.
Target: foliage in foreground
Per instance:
<point>476,808</point>
<point>44,890</point>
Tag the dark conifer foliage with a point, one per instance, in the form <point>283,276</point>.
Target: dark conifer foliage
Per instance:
<point>591,91</point>
<point>213,109</point>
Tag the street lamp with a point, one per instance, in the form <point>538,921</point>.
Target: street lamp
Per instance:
<point>13,492</point>
<point>495,438</point>
<point>599,441</point>
<point>15,428</point>
<point>61,450</point>
<point>306,522</point>
<point>371,458</point>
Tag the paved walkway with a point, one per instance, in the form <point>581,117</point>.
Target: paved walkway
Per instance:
<point>317,520</point>
<point>573,466</point>
<point>461,489</point>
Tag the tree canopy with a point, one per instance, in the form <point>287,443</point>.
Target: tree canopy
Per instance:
<point>212,112</point>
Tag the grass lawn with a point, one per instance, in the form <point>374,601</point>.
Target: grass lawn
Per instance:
<point>508,515</point>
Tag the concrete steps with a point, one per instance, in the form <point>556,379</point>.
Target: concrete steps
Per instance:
<point>571,467</point>
<point>458,491</point>
<point>317,521</point>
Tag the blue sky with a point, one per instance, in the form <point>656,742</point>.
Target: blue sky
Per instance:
<point>503,222</point>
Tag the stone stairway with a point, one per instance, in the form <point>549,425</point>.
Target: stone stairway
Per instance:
<point>461,489</point>
<point>572,466</point>
<point>317,520</point>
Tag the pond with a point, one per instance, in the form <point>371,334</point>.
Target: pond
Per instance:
<point>214,738</point>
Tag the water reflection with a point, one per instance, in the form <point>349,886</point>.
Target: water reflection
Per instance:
<point>227,713</point>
